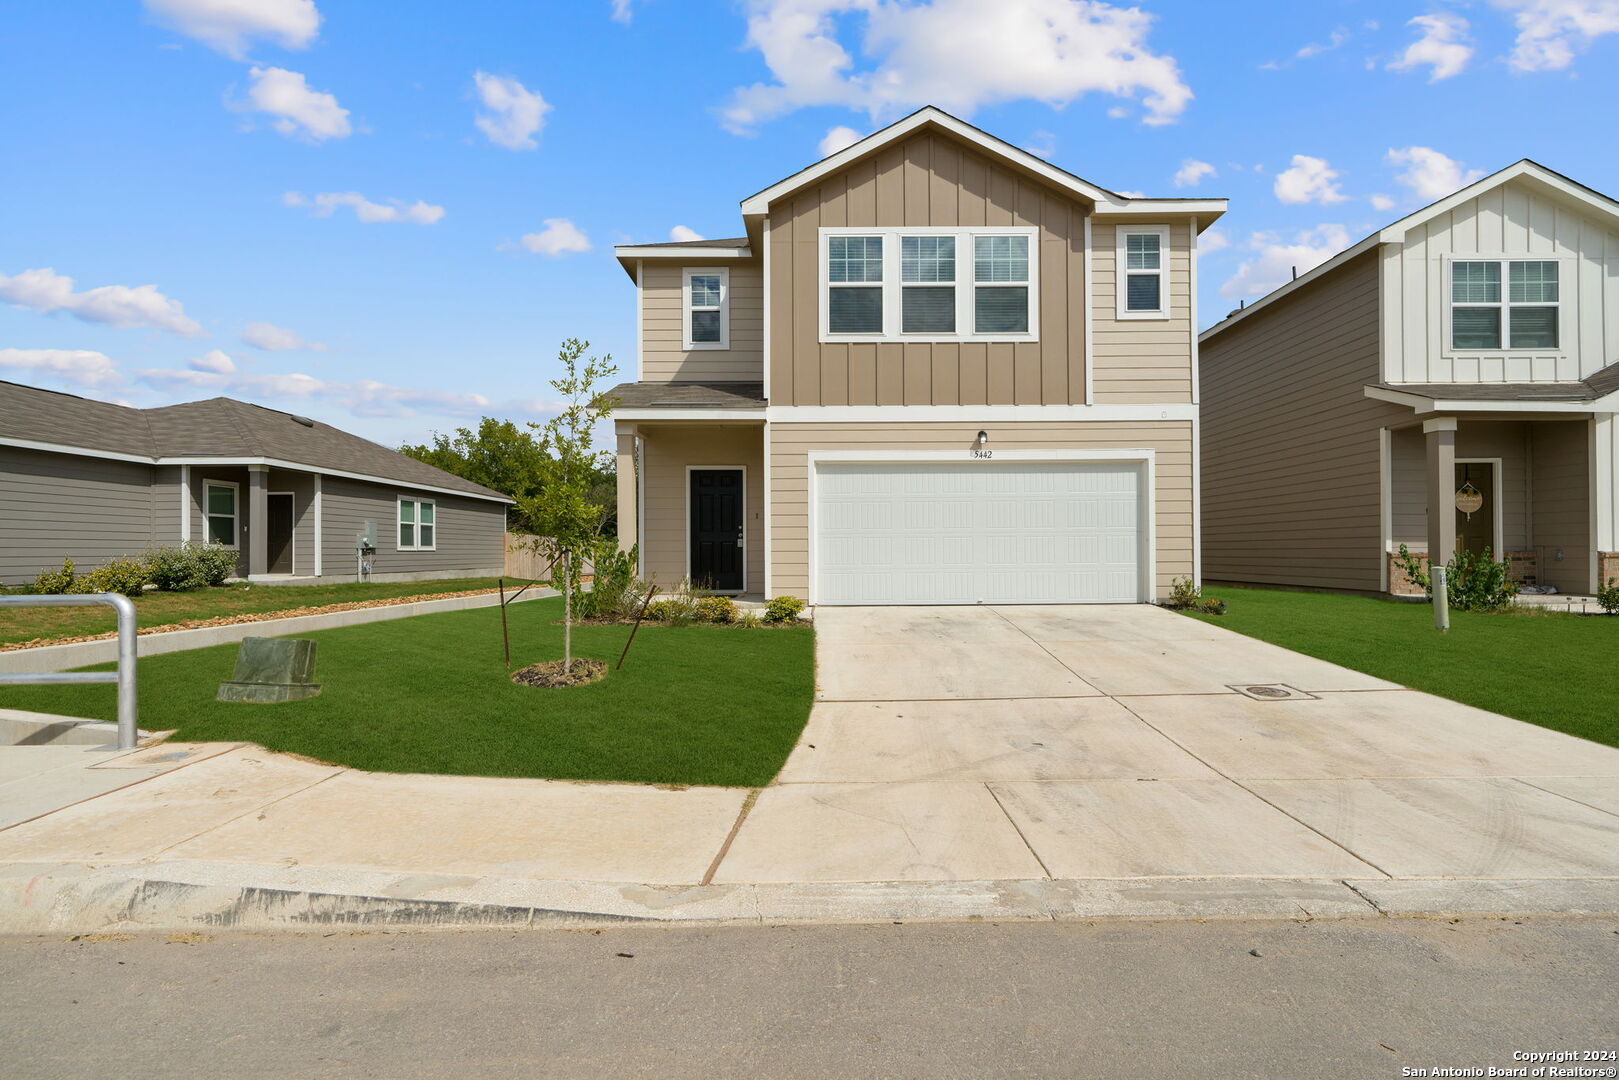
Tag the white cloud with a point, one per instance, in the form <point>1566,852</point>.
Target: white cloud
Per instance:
<point>957,54</point>
<point>214,360</point>
<point>1275,258</point>
<point>1550,32</point>
<point>326,203</point>
<point>1382,202</point>
<point>1337,38</point>
<point>298,110</point>
<point>514,113</point>
<point>1043,144</point>
<point>1430,174</point>
<point>78,366</point>
<point>1192,172</point>
<point>1132,194</point>
<point>621,10</point>
<point>838,138</point>
<point>1310,179</point>
<point>364,397</point>
<point>683,235</point>
<point>1443,46</point>
<point>44,290</point>
<point>272,338</point>
<point>227,25</point>
<point>1212,239</point>
<point>559,237</point>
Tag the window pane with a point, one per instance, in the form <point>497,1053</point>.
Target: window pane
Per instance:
<point>855,311</point>
<point>1142,292</point>
<point>1142,251</point>
<point>407,535</point>
<point>1475,328</point>
<point>929,310</point>
<point>1001,258</point>
<point>705,326</point>
<point>854,258</point>
<point>407,510</point>
<point>221,530</point>
<point>705,290</point>
<point>1475,283</point>
<point>1534,327</point>
<point>1532,283</point>
<point>427,536</point>
<point>221,500</point>
<point>427,513</point>
<point>927,258</point>
<point>1001,310</point>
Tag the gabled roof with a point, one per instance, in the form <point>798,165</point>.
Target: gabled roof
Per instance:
<point>221,430</point>
<point>1395,232</point>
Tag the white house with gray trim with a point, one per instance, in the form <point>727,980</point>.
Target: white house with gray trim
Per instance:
<point>92,481</point>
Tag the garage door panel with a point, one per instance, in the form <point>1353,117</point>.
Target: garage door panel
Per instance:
<point>978,532</point>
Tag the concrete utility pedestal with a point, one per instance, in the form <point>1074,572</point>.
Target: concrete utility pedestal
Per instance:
<point>272,670</point>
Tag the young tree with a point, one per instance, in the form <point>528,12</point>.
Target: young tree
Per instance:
<point>566,521</point>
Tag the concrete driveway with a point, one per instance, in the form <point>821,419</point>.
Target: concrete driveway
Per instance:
<point>1109,742</point>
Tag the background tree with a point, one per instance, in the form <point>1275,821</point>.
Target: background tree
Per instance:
<point>566,522</point>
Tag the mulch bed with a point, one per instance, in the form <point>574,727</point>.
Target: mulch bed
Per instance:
<point>250,617</point>
<point>551,676</point>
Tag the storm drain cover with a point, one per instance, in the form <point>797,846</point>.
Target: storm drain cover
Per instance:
<point>1271,692</point>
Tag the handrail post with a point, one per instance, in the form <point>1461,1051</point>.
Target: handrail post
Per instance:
<point>128,729</point>
<point>127,732</point>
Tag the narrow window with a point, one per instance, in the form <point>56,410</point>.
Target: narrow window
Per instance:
<point>1001,284</point>
<point>221,507</point>
<point>1475,298</point>
<point>417,525</point>
<point>854,275</point>
<point>1532,304</point>
<point>1143,272</point>
<point>707,303</point>
<point>928,284</point>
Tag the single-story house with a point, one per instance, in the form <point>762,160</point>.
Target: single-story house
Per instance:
<point>92,481</point>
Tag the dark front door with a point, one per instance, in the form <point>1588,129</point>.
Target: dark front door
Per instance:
<point>716,529</point>
<point>1475,507</point>
<point>278,530</point>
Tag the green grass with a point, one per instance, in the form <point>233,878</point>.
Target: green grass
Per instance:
<point>163,608</point>
<point>692,705</point>
<point>1556,670</point>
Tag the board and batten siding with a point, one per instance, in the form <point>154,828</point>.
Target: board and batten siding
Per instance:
<point>666,517</point>
<point>67,506</point>
<point>792,443</point>
<point>1513,220</point>
<point>927,180</point>
<point>1141,361</point>
<point>664,357</point>
<point>1291,478</point>
<point>471,533</point>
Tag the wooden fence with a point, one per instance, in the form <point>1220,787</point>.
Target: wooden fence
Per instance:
<point>522,561</point>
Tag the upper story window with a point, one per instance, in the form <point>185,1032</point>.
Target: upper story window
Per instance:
<point>928,284</point>
<point>1522,316</point>
<point>1142,258</point>
<point>418,525</point>
<point>706,308</point>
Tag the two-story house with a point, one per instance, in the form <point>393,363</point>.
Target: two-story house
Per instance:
<point>936,370</point>
<point>1450,381</point>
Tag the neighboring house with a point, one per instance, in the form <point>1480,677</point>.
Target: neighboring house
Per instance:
<point>1450,381</point>
<point>936,369</point>
<point>92,481</point>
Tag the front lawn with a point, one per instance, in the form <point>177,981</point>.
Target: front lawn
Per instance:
<point>692,705</point>
<point>165,608</point>
<point>1559,671</point>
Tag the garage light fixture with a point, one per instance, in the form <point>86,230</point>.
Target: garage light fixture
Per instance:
<point>983,439</point>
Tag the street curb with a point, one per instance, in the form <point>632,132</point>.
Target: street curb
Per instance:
<point>70,898</point>
<point>47,658</point>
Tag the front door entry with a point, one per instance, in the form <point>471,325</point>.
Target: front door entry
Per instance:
<point>716,529</point>
<point>278,532</point>
<point>1475,487</point>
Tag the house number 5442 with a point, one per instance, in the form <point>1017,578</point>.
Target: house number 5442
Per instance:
<point>983,453</point>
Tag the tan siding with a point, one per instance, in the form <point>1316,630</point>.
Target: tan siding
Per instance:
<point>791,444</point>
<point>1136,361</point>
<point>1291,480</point>
<point>668,450</point>
<point>663,357</point>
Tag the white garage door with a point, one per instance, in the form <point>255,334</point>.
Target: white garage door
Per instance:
<point>978,532</point>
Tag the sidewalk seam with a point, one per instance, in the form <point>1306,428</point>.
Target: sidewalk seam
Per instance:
<point>736,827</point>
<point>260,808</point>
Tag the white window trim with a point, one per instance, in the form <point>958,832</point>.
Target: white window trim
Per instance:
<point>399,506</point>
<point>893,287</point>
<point>1563,303</point>
<point>235,519</point>
<point>1121,270</point>
<point>724,274</point>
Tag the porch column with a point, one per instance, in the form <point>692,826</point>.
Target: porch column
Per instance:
<point>1440,434</point>
<point>628,525</point>
<point>258,533</point>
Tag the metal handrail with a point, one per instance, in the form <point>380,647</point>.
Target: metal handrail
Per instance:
<point>124,676</point>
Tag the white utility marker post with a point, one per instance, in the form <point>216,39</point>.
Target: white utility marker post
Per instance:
<point>1441,600</point>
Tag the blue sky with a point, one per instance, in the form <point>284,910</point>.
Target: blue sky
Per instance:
<point>388,215</point>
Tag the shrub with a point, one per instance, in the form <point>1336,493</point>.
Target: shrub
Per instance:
<point>613,572</point>
<point>126,575</point>
<point>190,566</point>
<point>1608,596</point>
<point>716,609</point>
<point>782,609</point>
<point>1474,580</point>
<point>749,620</point>
<point>1183,594</point>
<point>1211,606</point>
<point>55,582</point>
